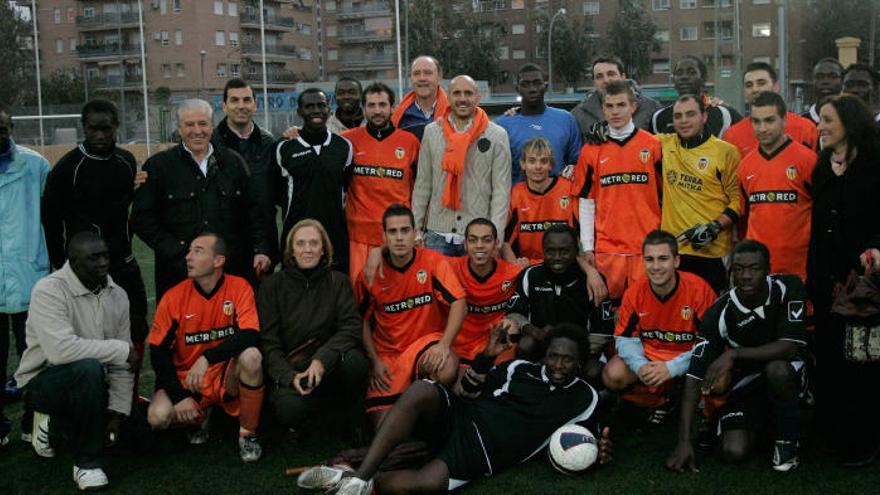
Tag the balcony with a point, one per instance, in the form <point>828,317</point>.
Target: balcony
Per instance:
<point>272,78</point>
<point>110,51</point>
<point>116,82</point>
<point>104,22</point>
<point>362,12</point>
<point>272,22</point>
<point>352,36</point>
<point>368,63</point>
<point>289,51</point>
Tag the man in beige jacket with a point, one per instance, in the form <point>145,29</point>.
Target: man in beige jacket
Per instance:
<point>78,340</point>
<point>463,172</point>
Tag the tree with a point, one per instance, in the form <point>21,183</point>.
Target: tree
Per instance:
<point>574,45</point>
<point>469,46</point>
<point>18,60</point>
<point>58,89</point>
<point>832,19</point>
<point>631,37</point>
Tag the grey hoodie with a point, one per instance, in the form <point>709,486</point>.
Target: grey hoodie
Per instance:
<point>589,111</point>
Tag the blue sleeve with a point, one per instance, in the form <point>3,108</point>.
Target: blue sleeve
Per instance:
<point>574,141</point>
<point>678,365</point>
<point>631,351</point>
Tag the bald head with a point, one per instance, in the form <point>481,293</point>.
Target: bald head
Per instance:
<point>463,96</point>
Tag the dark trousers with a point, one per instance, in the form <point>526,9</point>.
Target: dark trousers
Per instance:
<point>347,383</point>
<point>16,321</point>
<point>711,270</point>
<point>128,276</point>
<point>75,397</point>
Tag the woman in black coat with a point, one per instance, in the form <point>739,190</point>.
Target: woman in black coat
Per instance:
<point>845,237</point>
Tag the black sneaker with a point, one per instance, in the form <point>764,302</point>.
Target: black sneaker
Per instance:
<point>785,455</point>
<point>658,415</point>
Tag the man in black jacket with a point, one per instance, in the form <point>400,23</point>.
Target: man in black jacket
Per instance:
<point>194,187</point>
<point>90,189</point>
<point>238,132</point>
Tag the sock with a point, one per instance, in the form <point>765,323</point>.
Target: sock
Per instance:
<point>788,419</point>
<point>251,402</point>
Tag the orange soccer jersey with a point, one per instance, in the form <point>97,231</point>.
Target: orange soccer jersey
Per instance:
<point>531,213</point>
<point>778,204</point>
<point>382,173</point>
<point>800,129</point>
<point>405,304</point>
<point>667,327</point>
<point>487,300</point>
<point>622,178</point>
<point>190,322</point>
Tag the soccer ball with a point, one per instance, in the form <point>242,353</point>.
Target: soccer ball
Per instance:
<point>573,449</point>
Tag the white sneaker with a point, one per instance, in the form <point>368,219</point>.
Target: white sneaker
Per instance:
<point>322,477</point>
<point>249,448</point>
<point>40,435</point>
<point>202,434</point>
<point>354,486</point>
<point>90,479</point>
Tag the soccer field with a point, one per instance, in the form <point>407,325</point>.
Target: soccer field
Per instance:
<point>173,466</point>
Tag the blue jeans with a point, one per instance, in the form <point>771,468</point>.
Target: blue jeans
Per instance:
<point>438,243</point>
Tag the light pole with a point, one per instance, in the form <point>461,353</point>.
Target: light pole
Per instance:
<point>550,49</point>
<point>202,73</point>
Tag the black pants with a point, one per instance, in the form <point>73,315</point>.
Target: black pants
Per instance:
<point>16,321</point>
<point>711,270</point>
<point>128,276</point>
<point>347,383</point>
<point>75,397</point>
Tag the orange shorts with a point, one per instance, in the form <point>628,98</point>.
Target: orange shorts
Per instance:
<point>467,351</point>
<point>404,369</point>
<point>620,271</point>
<point>357,257</point>
<point>219,387</point>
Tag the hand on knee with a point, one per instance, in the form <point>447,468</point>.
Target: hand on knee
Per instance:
<point>160,416</point>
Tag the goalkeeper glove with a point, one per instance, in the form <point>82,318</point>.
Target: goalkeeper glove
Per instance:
<point>598,133</point>
<point>701,235</point>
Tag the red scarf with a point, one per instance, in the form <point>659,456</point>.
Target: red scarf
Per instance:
<point>440,107</point>
<point>457,144</point>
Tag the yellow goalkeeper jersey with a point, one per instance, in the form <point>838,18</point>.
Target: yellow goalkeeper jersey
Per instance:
<point>699,183</point>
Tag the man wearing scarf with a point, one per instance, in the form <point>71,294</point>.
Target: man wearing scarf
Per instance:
<point>426,102</point>
<point>463,172</point>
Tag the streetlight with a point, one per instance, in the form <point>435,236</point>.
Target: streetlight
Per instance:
<point>202,72</point>
<point>550,49</point>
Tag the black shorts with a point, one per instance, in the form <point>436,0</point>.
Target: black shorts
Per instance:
<point>748,403</point>
<point>463,451</point>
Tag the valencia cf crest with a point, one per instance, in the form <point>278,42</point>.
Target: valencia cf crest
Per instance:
<point>702,164</point>
<point>399,152</point>
<point>505,285</point>
<point>671,177</point>
<point>422,276</point>
<point>564,202</point>
<point>791,172</point>
<point>645,155</point>
<point>228,308</point>
<point>686,313</point>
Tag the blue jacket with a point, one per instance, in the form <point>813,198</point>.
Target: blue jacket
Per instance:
<point>23,255</point>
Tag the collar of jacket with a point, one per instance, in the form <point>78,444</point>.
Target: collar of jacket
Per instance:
<point>295,272</point>
<point>76,286</point>
<point>227,135</point>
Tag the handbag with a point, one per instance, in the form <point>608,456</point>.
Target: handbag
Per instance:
<point>858,302</point>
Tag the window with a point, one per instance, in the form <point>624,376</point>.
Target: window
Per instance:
<point>71,14</point>
<point>725,30</point>
<point>765,60</point>
<point>518,29</point>
<point>660,66</point>
<point>221,70</point>
<point>56,16</point>
<point>330,6</point>
<point>220,38</point>
<point>688,33</point>
<point>165,38</point>
<point>332,54</point>
<point>661,4</point>
<point>519,54</point>
<point>760,2</point>
<point>181,70</point>
<point>761,30</point>
<point>72,44</point>
<point>59,45</point>
<point>218,7</point>
<point>331,31</point>
<point>726,4</point>
<point>163,7</point>
<point>662,35</point>
<point>305,53</point>
<point>709,30</point>
<point>232,9</point>
<point>234,70</point>
<point>178,37</point>
<point>503,53</point>
<point>176,6</point>
<point>166,71</point>
<point>233,39</point>
<point>306,29</point>
<point>591,8</point>
<point>518,4</point>
<point>687,4</point>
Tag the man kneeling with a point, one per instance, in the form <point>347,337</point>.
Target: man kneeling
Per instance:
<point>203,349</point>
<point>505,416</point>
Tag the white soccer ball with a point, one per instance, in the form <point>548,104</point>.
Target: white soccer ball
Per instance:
<point>573,449</point>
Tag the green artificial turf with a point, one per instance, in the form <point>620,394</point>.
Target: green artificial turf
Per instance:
<point>173,466</point>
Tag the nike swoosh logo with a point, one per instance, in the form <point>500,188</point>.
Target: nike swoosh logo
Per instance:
<point>749,177</point>
<point>524,209</point>
<point>189,317</point>
<point>604,160</point>
<point>643,314</point>
<point>359,153</point>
